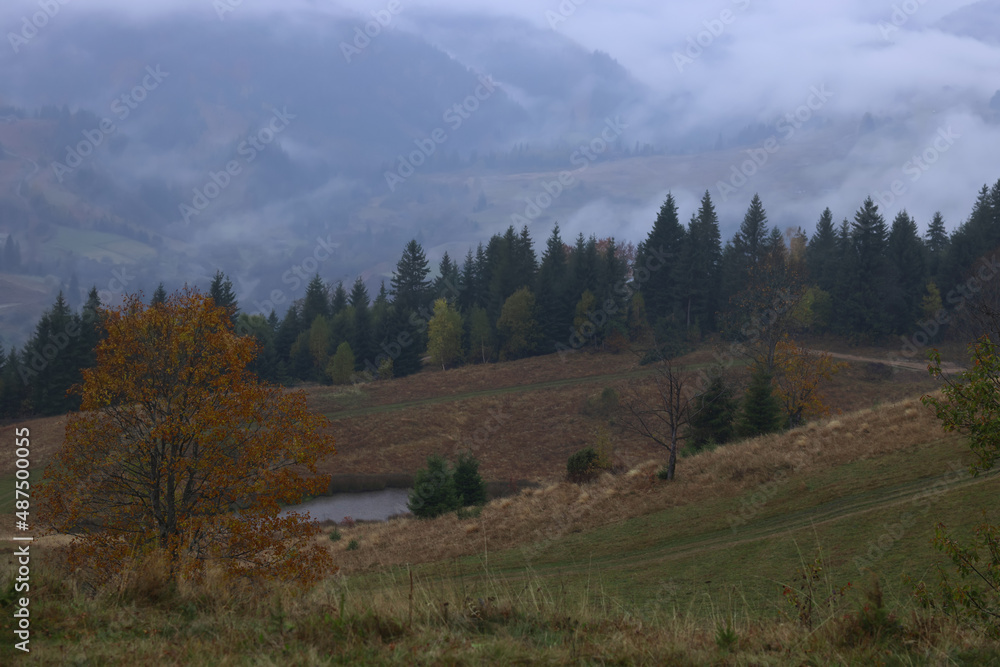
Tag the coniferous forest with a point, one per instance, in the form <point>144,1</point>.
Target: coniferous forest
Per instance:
<point>866,278</point>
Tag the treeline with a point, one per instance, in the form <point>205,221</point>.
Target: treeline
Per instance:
<point>865,279</point>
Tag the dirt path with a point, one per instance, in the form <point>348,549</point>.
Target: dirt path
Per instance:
<point>948,367</point>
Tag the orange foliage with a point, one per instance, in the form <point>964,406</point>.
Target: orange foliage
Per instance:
<point>798,375</point>
<point>179,448</point>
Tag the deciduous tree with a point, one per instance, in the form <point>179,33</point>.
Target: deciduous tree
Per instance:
<point>179,448</point>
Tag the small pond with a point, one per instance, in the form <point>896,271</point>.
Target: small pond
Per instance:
<point>364,505</point>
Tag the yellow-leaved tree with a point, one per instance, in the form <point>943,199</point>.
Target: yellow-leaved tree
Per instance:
<point>799,373</point>
<point>179,449</point>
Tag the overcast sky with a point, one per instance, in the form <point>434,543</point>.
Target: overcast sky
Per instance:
<point>765,61</point>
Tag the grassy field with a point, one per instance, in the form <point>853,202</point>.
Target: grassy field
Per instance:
<point>624,570</point>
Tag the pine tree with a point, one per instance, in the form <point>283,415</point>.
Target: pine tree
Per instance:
<point>316,303</point>
<point>662,250</point>
<point>339,300</point>
<point>159,296</point>
<point>409,286</point>
<point>864,309</point>
<point>821,253</point>
<point>703,258</point>
<point>937,245</point>
<point>447,282</point>
<point>469,485</point>
<point>551,290</point>
<point>433,490</point>
<point>363,334</point>
<point>221,291</point>
<point>905,274</point>
<point>713,415</point>
<point>761,411</point>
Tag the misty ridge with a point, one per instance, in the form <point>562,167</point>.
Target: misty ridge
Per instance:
<point>142,145</point>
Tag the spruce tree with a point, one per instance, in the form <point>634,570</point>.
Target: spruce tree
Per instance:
<point>703,258</point>
<point>821,253</point>
<point>221,291</point>
<point>864,309</point>
<point>937,245</point>
<point>551,293</point>
<point>469,485</point>
<point>159,296</point>
<point>339,300</point>
<point>660,255</point>
<point>906,275</point>
<point>316,303</point>
<point>362,331</point>
<point>761,411</point>
<point>433,490</point>
<point>714,414</point>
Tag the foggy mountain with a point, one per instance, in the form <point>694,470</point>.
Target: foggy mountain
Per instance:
<point>264,134</point>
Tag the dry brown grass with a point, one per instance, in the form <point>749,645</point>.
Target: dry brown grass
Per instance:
<point>562,508</point>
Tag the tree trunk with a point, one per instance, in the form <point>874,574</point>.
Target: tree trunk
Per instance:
<point>672,462</point>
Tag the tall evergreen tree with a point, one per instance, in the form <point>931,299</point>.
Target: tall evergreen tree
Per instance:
<point>701,266</point>
<point>552,299</point>
<point>865,306</point>
<point>937,246</point>
<point>409,286</point>
<point>662,249</point>
<point>906,276</point>
<point>761,411</point>
<point>361,342</point>
<point>221,291</point>
<point>339,300</point>
<point>821,253</point>
<point>447,283</point>
<point>316,303</point>
<point>159,296</point>
<point>411,291</point>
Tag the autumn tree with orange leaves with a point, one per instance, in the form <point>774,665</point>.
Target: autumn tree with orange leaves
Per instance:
<point>179,449</point>
<point>799,372</point>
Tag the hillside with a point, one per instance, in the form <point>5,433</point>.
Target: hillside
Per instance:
<point>625,569</point>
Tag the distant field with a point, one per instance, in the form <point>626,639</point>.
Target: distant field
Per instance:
<point>101,245</point>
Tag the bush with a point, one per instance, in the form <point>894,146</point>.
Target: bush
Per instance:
<point>335,535</point>
<point>353,545</point>
<point>583,465</point>
<point>469,486</point>
<point>434,490</point>
<point>341,366</point>
<point>663,473</point>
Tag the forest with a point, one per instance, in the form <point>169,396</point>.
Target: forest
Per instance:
<point>867,280</point>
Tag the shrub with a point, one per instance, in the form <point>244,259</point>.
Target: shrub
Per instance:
<point>582,466</point>
<point>434,490</point>
<point>469,486</point>
<point>353,545</point>
<point>663,473</point>
<point>335,535</point>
